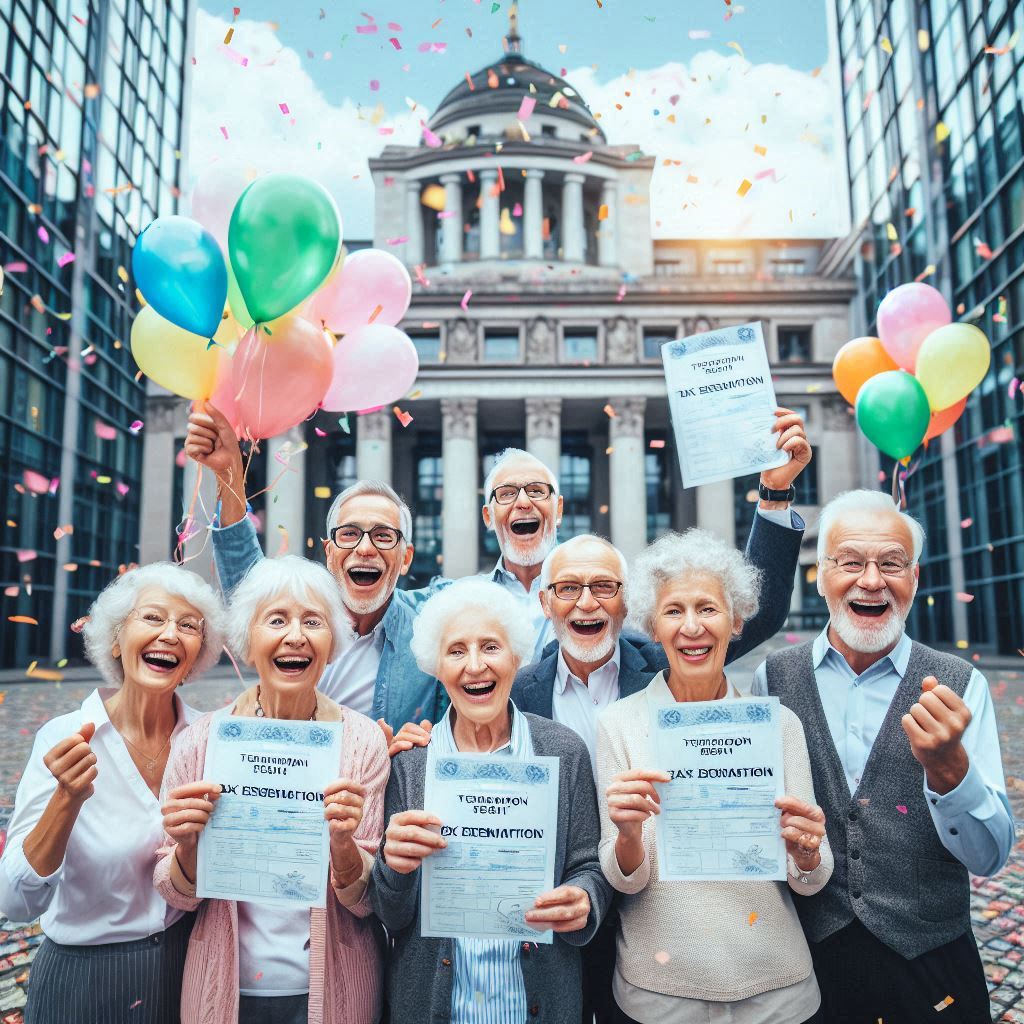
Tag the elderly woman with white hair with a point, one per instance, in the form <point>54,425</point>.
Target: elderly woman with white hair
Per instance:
<point>82,842</point>
<point>692,594</point>
<point>260,964</point>
<point>473,637</point>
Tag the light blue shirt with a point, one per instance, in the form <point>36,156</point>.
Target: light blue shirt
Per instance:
<point>530,601</point>
<point>487,983</point>
<point>973,821</point>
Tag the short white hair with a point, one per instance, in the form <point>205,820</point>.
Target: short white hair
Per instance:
<point>511,455</point>
<point>454,602</point>
<point>566,548</point>
<point>118,599</point>
<point>379,489</point>
<point>677,555</point>
<point>287,576</point>
<point>864,501</point>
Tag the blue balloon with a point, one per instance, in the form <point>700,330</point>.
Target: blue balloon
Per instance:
<point>180,271</point>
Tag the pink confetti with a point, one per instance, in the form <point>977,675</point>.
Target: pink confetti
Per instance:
<point>526,108</point>
<point>517,210</point>
<point>11,591</point>
<point>319,432</point>
<point>43,234</point>
<point>104,431</point>
<point>400,240</point>
<point>621,293</point>
<point>792,638</point>
<point>26,555</point>
<point>65,258</point>
<point>429,137</point>
<point>465,299</point>
<point>404,418</point>
<point>233,54</point>
<point>445,214</point>
<point>1014,385</point>
<point>394,26</point>
<point>15,268</point>
<point>122,489</point>
<point>54,484</point>
<point>180,459</point>
<point>662,958</point>
<point>902,808</point>
<point>135,427</point>
<point>374,84</point>
<point>964,523</point>
<point>966,598</point>
<point>35,482</point>
<point>657,444</point>
<point>284,108</point>
<point>395,43</point>
<point>769,173</point>
<point>366,30</point>
<point>583,157</point>
<point>385,131</point>
<point>138,1002</point>
<point>224,131</point>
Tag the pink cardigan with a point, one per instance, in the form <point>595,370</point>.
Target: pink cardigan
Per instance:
<point>344,961</point>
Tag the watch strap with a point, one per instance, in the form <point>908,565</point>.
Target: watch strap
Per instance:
<point>767,494</point>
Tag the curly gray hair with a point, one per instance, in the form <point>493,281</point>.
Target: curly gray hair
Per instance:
<point>116,601</point>
<point>292,576</point>
<point>676,555</point>
<point>455,601</point>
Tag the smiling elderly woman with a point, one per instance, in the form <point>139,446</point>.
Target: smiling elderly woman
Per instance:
<point>259,964</point>
<point>114,950</point>
<point>692,593</point>
<point>473,637</point>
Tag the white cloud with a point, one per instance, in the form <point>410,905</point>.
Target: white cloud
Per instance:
<point>798,134</point>
<point>316,138</point>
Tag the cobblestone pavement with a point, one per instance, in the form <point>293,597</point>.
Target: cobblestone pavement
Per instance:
<point>997,904</point>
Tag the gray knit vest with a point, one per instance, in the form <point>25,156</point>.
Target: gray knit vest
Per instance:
<point>891,871</point>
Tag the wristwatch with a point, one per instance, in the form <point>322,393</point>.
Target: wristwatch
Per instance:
<point>767,494</point>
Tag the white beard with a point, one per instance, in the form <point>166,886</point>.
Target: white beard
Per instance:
<point>518,553</point>
<point>586,653</point>
<point>358,604</point>
<point>866,639</point>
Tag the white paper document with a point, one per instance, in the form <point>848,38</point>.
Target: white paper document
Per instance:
<point>722,402</point>
<point>499,817</point>
<point>267,840</point>
<point>718,816</point>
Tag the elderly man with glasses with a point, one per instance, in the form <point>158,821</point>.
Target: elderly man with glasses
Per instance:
<point>905,757</point>
<point>368,547</point>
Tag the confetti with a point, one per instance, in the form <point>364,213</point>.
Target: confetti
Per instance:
<point>26,619</point>
<point>965,597</point>
<point>429,137</point>
<point>751,919</point>
<point>404,418</point>
<point>602,212</point>
<point>27,555</point>
<point>44,235</point>
<point>941,131</point>
<point>104,431</point>
<point>662,958</point>
<point>233,54</point>
<point>224,131</point>
<point>886,45</point>
<point>792,638</point>
<point>465,299</point>
<point>942,1004</point>
<point>744,188</point>
<point>35,482</point>
<point>1014,386</point>
<point>902,808</point>
<point>135,427</point>
<point>761,150</point>
<point>583,157</point>
<point>962,645</point>
<point>283,107</point>
<point>526,108</point>
<point>657,444</point>
<point>65,258</point>
<point>923,39</point>
<point>321,492</point>
<point>964,523</point>
<point>395,43</point>
<point>609,411</point>
<point>737,48</point>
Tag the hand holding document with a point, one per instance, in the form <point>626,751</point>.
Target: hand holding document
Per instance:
<point>722,402</point>
<point>498,819</point>
<point>267,840</point>
<point>718,816</point>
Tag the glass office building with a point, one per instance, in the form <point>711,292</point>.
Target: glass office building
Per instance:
<point>932,92</point>
<point>90,152</point>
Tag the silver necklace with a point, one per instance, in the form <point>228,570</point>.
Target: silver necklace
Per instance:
<point>260,713</point>
<point>151,760</point>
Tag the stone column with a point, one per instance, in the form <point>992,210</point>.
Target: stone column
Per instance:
<point>373,446</point>
<point>533,216</point>
<point>573,245</point>
<point>490,237</point>
<point>607,249</point>
<point>158,472</point>
<point>413,223</point>
<point>544,431</point>
<point>716,511</point>
<point>628,485</point>
<point>460,503</point>
<point>451,227</point>
<point>286,502</point>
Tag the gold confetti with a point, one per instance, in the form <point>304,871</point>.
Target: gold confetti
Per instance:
<point>941,131</point>
<point>923,39</point>
<point>752,919</point>
<point>737,48</point>
<point>602,212</point>
<point>122,274</point>
<point>609,411</point>
<point>962,645</point>
<point>886,45</point>
<point>890,231</point>
<point>761,150</point>
<point>744,187</point>
<point>321,492</point>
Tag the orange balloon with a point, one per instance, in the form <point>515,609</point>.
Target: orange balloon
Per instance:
<point>858,361</point>
<point>944,419</point>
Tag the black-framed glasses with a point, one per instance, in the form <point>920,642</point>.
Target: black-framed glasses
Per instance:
<point>570,590</point>
<point>348,536</point>
<point>535,491</point>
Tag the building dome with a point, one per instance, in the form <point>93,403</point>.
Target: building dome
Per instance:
<point>501,87</point>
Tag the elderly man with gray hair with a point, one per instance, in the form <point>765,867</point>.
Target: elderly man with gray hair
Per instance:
<point>905,757</point>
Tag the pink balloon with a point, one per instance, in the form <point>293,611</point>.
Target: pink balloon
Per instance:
<point>215,195</point>
<point>223,397</point>
<point>373,366</point>
<point>365,280</point>
<point>279,378</point>
<point>906,316</point>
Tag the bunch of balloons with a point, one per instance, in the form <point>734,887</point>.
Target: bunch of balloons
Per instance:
<point>911,383</point>
<point>257,332</point>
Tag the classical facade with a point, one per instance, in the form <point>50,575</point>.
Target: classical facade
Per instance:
<point>539,309</point>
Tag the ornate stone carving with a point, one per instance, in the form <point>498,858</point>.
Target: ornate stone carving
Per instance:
<point>541,341</point>
<point>628,420</point>
<point>543,418</point>
<point>699,325</point>
<point>458,418</point>
<point>374,426</point>
<point>620,341</point>
<point>461,342</point>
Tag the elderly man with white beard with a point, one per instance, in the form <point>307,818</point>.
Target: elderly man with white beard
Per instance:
<point>905,757</point>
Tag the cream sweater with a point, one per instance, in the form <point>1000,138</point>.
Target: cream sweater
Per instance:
<point>699,939</point>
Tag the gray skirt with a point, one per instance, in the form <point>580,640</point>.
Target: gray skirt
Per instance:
<point>114,983</point>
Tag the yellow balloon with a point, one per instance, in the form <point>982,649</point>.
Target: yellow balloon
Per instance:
<point>951,362</point>
<point>174,358</point>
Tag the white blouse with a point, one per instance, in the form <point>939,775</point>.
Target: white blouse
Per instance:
<point>103,891</point>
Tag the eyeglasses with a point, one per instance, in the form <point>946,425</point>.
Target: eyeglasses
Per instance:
<point>535,491</point>
<point>348,536</point>
<point>188,625</point>
<point>569,590</point>
<point>892,563</point>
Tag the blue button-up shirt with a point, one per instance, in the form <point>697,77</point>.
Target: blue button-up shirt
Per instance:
<point>973,821</point>
<point>530,601</point>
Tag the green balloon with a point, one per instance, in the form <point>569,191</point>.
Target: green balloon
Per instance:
<point>893,412</point>
<point>283,241</point>
<point>238,308</point>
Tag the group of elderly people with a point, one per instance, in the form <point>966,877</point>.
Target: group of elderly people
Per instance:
<point>893,782</point>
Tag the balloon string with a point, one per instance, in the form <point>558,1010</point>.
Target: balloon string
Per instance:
<point>227,651</point>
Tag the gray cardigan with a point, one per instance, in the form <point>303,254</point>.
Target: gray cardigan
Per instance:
<point>419,970</point>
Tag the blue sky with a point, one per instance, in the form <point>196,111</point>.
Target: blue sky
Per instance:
<point>762,78</point>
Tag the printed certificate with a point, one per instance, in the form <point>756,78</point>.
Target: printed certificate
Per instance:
<point>267,840</point>
<point>718,816</point>
<point>499,817</point>
<point>722,402</point>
